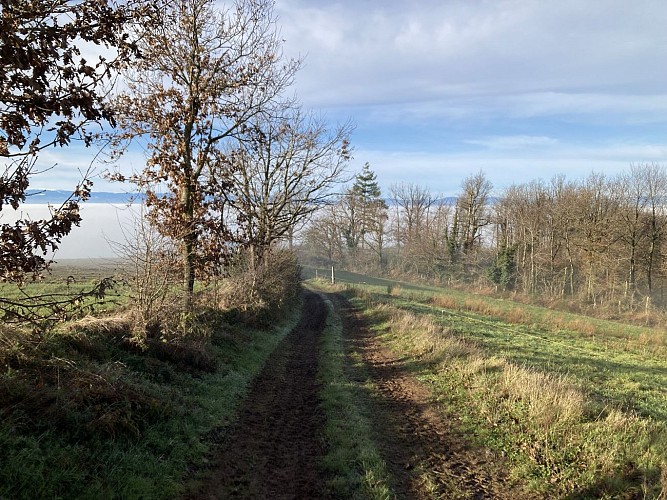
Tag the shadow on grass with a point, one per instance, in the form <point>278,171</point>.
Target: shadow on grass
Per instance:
<point>629,380</point>
<point>427,452</point>
<point>615,378</point>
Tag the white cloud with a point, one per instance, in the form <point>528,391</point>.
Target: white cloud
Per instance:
<point>636,107</point>
<point>375,53</point>
<point>514,142</point>
<point>468,72</point>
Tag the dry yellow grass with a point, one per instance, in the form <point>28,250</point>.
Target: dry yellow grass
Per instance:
<point>445,302</point>
<point>118,324</point>
<point>549,399</point>
<point>550,420</point>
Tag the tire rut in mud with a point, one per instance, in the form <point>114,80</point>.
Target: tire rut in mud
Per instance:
<point>276,445</point>
<point>416,439</point>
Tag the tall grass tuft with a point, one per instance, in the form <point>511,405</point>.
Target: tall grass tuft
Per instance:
<point>445,301</point>
<point>550,400</point>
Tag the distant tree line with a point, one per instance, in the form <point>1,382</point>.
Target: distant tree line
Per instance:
<point>234,165</point>
<point>600,241</point>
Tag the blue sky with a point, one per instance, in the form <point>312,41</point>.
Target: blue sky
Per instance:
<point>440,89</point>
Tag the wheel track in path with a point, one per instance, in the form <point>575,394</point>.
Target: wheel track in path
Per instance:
<point>426,455</point>
<point>274,449</point>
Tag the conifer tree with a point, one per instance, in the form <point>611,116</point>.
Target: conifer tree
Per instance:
<point>365,213</point>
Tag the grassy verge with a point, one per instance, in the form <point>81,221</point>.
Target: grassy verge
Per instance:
<point>86,414</point>
<point>619,365</point>
<point>67,291</point>
<point>575,414</point>
<point>352,462</point>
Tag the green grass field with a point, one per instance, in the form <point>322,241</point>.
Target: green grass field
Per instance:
<point>50,295</point>
<point>577,406</point>
<point>618,371</point>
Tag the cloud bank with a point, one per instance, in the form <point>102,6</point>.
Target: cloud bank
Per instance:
<point>519,88</point>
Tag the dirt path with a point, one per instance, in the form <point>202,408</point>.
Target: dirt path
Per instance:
<point>275,449</point>
<point>424,452</point>
<point>276,445</point>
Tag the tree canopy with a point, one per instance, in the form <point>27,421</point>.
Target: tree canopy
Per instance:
<point>49,95</point>
<point>204,75</point>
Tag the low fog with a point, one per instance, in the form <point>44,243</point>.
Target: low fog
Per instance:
<point>103,226</point>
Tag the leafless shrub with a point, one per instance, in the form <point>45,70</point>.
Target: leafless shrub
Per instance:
<point>262,289</point>
<point>152,271</point>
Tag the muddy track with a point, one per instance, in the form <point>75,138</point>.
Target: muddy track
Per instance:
<point>276,445</point>
<point>425,453</point>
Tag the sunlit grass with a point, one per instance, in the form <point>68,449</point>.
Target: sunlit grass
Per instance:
<point>64,282</point>
<point>618,370</point>
<point>621,364</point>
<point>575,412</point>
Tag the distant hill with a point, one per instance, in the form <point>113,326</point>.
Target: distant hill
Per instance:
<point>49,196</point>
<point>54,196</point>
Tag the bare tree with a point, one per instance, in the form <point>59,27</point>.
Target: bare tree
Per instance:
<point>282,170</point>
<point>654,177</point>
<point>204,75</point>
<point>523,212</point>
<point>323,235</point>
<point>377,231</point>
<point>351,222</point>
<point>472,209</point>
<point>414,201</point>
<point>634,221</point>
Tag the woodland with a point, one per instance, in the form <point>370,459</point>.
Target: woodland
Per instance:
<point>594,245</point>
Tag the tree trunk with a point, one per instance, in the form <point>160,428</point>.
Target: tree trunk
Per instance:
<point>189,245</point>
<point>189,268</point>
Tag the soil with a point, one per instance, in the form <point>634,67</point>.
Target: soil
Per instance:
<point>275,448</point>
<point>276,445</point>
<point>426,454</point>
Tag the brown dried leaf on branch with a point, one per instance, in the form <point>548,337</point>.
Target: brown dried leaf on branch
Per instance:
<point>50,95</point>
